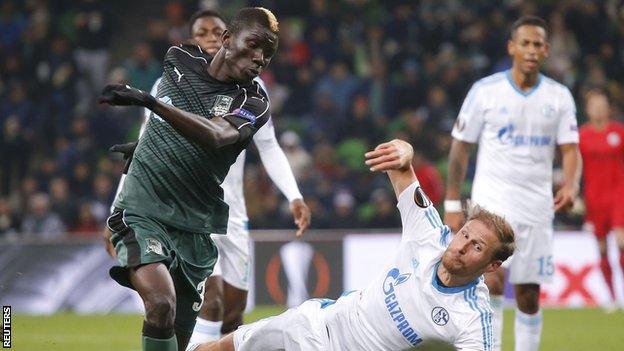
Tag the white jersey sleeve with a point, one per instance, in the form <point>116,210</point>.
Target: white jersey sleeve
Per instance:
<point>567,130</point>
<point>275,161</point>
<point>469,123</point>
<point>420,219</point>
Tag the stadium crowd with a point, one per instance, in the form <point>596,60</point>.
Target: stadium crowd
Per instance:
<point>348,75</point>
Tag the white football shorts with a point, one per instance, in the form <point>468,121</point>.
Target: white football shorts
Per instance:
<point>234,262</point>
<point>532,261</point>
<point>298,329</point>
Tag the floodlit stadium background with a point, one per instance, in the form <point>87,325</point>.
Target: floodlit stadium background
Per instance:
<point>348,74</point>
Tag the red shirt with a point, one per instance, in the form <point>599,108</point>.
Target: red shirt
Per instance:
<point>603,164</point>
<point>431,181</point>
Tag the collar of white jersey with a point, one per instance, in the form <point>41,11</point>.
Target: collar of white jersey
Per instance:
<point>449,290</point>
<point>517,89</point>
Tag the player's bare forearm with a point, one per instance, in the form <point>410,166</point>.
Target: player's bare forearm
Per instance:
<point>458,163</point>
<point>395,158</point>
<point>213,133</point>
<point>572,164</point>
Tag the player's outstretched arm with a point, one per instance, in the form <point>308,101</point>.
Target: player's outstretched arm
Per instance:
<point>395,158</point>
<point>213,133</point>
<point>276,164</point>
<point>457,166</point>
<point>572,169</point>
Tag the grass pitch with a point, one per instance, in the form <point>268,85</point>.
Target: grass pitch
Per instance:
<point>570,329</point>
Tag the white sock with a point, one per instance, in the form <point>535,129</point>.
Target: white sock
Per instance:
<point>496,302</point>
<point>528,329</point>
<point>205,330</point>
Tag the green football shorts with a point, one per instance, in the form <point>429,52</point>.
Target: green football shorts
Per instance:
<point>190,258</point>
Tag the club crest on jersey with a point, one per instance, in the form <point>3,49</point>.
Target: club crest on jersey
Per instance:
<point>613,139</point>
<point>154,246</point>
<point>439,315</point>
<point>221,105</point>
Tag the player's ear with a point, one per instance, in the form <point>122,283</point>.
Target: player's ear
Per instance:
<point>225,38</point>
<point>546,49</point>
<point>511,47</point>
<point>492,266</point>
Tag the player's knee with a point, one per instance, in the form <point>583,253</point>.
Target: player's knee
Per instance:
<point>160,310</point>
<point>528,299</point>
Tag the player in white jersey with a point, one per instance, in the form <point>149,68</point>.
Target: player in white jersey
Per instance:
<point>518,118</point>
<point>431,289</point>
<point>225,294</point>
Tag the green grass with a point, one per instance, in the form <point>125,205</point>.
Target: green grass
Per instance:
<point>577,329</point>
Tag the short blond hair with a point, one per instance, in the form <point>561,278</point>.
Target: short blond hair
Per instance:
<point>500,227</point>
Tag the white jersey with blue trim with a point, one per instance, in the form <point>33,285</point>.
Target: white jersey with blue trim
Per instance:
<point>517,133</point>
<point>406,304</point>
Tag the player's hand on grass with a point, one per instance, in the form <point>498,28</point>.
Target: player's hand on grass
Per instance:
<point>454,220</point>
<point>125,95</point>
<point>106,235</point>
<point>564,199</point>
<point>301,215</point>
<point>393,155</point>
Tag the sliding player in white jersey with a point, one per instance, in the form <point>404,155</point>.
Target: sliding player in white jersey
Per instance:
<point>518,117</point>
<point>225,295</point>
<point>432,288</point>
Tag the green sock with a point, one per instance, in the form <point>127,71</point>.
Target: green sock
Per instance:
<point>152,344</point>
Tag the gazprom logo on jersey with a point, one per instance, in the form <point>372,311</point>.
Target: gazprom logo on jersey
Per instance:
<point>394,278</point>
<point>508,136</point>
<point>246,114</point>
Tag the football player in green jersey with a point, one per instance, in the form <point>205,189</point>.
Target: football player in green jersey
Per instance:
<point>205,113</point>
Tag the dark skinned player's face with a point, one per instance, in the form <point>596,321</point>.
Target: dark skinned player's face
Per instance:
<point>207,31</point>
<point>528,48</point>
<point>248,52</point>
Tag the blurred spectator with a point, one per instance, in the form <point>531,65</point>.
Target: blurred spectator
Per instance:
<point>385,214</point>
<point>61,200</point>
<point>298,158</point>
<point>9,222</point>
<point>142,68</point>
<point>176,22</point>
<point>344,211</point>
<point>14,154</point>
<point>86,225</point>
<point>40,221</point>
<point>93,28</point>
<point>339,85</point>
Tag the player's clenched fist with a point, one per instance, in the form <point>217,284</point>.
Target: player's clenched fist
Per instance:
<point>393,155</point>
<point>124,95</point>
